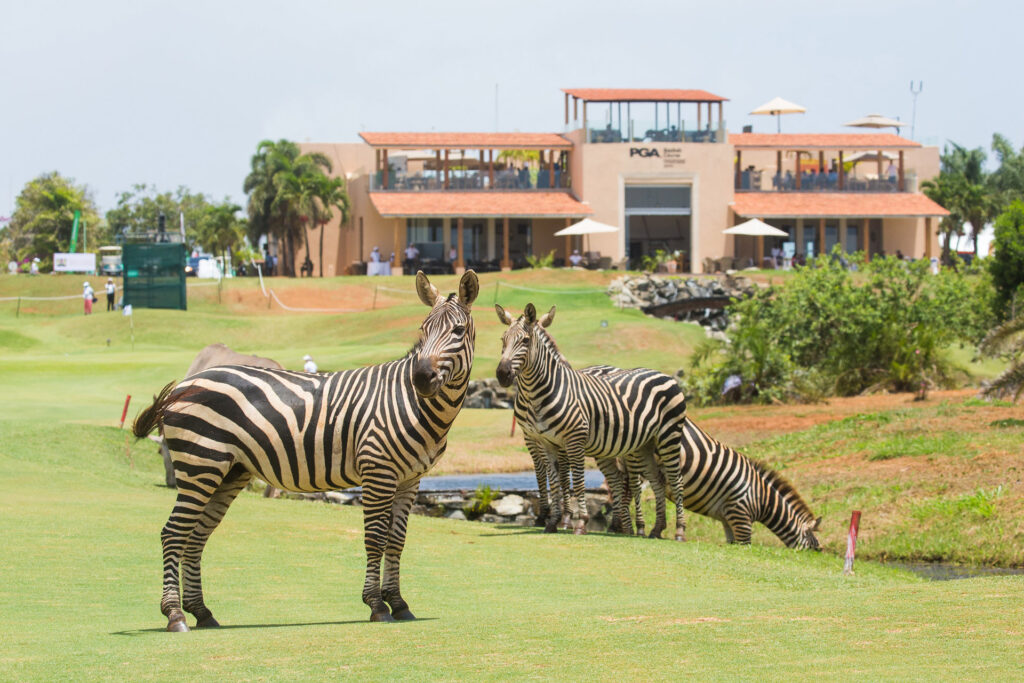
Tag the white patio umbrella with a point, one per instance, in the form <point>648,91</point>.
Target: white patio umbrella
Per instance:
<point>584,227</point>
<point>755,228</point>
<point>776,107</point>
<point>875,121</point>
<point>760,230</point>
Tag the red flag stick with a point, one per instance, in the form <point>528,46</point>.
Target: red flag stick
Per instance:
<point>851,542</point>
<point>124,412</point>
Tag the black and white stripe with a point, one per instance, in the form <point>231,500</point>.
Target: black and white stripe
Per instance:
<point>380,427</point>
<point>738,491</point>
<point>633,415</point>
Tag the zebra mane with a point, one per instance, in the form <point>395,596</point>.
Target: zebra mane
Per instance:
<point>783,487</point>
<point>549,341</point>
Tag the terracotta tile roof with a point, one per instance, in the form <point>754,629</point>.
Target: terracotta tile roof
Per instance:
<point>821,141</point>
<point>527,204</point>
<point>643,95</point>
<point>467,140</point>
<point>834,204</point>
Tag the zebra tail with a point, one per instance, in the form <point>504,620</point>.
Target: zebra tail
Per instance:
<point>152,417</point>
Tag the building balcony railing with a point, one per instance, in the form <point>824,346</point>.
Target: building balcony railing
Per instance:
<point>507,179</point>
<point>639,131</point>
<point>766,181</point>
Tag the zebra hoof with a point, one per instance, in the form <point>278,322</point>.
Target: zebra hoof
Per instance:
<point>681,537</point>
<point>208,622</point>
<point>404,615</point>
<point>384,616</point>
<point>550,528</point>
<point>177,625</point>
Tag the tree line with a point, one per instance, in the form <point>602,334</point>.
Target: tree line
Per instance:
<point>289,194</point>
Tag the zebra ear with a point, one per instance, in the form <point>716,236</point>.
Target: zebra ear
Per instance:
<point>530,314</point>
<point>503,315</point>
<point>427,292</point>
<point>469,287</point>
<point>546,319</point>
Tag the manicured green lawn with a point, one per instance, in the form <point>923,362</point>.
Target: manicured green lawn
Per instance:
<point>80,592</point>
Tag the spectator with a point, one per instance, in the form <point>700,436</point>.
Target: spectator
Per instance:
<point>900,256</point>
<point>88,297</point>
<point>111,291</point>
<point>309,365</point>
<point>412,258</point>
<point>375,255</point>
<point>34,268</point>
<point>12,267</point>
<point>575,259</point>
<point>892,173</point>
<point>453,254</point>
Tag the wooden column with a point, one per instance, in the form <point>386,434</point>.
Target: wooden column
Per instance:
<point>568,243</point>
<point>739,166</point>
<point>821,161</point>
<point>721,123</point>
<point>506,262</point>
<point>446,176</point>
<point>567,109</point>
<point>778,166</point>
<point>490,167</point>
<point>460,263</point>
<point>842,171</point>
<point>903,182</point>
<point>821,236</point>
<point>385,159</point>
<point>699,118</point>
<point>797,170</point>
<point>928,237</point>
<point>575,109</point>
<point>862,238</point>
<point>551,168</point>
<point>397,247</point>
<point>879,167</point>
<point>376,160</point>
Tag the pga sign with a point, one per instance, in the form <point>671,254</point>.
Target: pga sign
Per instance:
<point>643,152</point>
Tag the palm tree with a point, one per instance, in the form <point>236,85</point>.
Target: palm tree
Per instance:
<point>1007,340</point>
<point>297,184</point>
<point>219,228</point>
<point>330,194</point>
<point>964,189</point>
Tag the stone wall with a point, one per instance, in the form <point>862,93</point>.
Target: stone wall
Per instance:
<point>643,291</point>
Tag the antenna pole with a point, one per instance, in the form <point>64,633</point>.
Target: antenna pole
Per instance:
<point>913,116</point>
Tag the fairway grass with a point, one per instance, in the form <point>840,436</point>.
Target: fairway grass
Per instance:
<point>80,591</point>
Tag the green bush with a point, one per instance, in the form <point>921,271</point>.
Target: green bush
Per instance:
<point>830,331</point>
<point>543,261</point>
<point>1007,262</point>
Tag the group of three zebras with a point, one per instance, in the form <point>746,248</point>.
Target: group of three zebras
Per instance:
<point>383,427</point>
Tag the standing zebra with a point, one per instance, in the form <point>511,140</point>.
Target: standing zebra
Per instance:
<point>382,427</point>
<point>737,491</point>
<point>567,415</point>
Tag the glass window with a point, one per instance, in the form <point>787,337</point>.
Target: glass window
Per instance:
<point>852,236</point>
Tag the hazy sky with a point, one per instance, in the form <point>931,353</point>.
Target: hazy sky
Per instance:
<point>179,93</point>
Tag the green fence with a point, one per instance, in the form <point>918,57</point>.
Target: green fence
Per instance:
<point>154,275</point>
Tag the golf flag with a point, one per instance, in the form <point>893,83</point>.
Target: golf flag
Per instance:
<point>74,232</point>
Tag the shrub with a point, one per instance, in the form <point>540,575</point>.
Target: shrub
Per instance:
<point>482,499</point>
<point>543,261</point>
<point>830,331</point>
<point>1007,262</point>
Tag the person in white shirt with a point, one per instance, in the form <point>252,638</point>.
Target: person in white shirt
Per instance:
<point>575,259</point>
<point>111,291</point>
<point>412,258</point>
<point>375,255</point>
<point>87,296</point>
<point>309,365</point>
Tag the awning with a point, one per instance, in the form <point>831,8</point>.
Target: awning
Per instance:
<point>642,95</point>
<point>479,204</point>
<point>835,205</point>
<point>466,140</point>
<point>804,141</point>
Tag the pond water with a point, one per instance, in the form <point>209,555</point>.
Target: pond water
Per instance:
<point>941,571</point>
<point>506,481</point>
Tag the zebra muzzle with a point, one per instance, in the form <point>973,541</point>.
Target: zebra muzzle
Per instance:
<point>425,378</point>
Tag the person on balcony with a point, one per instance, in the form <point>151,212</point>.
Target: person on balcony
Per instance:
<point>892,173</point>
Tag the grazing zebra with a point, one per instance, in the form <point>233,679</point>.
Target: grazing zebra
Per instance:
<point>382,427</point>
<point>738,491</point>
<point>567,415</point>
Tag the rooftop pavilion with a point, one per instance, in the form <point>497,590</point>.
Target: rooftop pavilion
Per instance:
<point>603,122</point>
<point>819,162</point>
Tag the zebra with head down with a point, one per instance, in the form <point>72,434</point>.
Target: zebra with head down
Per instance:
<point>635,415</point>
<point>380,427</point>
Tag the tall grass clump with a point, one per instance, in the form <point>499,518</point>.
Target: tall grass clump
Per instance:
<point>834,331</point>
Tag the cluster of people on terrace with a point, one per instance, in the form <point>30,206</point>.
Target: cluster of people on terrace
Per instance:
<point>820,179</point>
<point>511,178</point>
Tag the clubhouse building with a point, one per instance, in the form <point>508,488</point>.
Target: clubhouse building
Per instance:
<point>658,164</point>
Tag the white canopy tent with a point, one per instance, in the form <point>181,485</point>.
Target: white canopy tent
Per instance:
<point>776,107</point>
